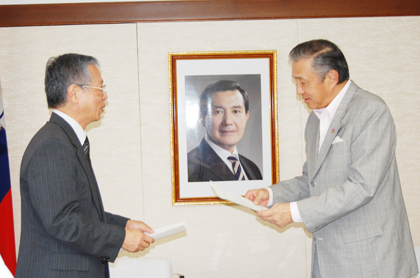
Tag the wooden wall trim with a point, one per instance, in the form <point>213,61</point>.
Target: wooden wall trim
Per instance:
<point>128,12</point>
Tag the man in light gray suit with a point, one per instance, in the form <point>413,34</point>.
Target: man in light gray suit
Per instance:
<point>349,195</point>
<point>65,230</point>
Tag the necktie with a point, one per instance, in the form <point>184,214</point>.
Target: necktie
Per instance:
<point>86,148</point>
<point>237,169</point>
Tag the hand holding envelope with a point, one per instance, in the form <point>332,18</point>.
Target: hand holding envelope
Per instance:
<point>168,230</point>
<point>278,215</point>
<point>226,194</point>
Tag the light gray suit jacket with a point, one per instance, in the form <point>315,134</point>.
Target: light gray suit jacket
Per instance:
<point>65,231</point>
<point>349,195</point>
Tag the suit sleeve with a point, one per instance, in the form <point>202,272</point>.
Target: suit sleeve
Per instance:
<point>371,151</point>
<point>291,190</point>
<point>62,199</point>
<point>116,220</point>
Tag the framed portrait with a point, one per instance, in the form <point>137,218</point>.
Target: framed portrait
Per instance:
<point>223,123</point>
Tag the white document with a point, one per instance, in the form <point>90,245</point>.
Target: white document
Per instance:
<point>226,194</point>
<point>168,230</point>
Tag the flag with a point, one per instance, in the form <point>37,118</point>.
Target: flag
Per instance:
<point>7,233</point>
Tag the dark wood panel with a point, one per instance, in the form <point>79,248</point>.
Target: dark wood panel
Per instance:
<point>124,12</point>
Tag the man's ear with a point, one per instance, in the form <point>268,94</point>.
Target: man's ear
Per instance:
<point>201,120</point>
<point>333,77</point>
<point>73,93</point>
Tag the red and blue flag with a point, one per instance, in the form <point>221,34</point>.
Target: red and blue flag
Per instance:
<point>7,233</point>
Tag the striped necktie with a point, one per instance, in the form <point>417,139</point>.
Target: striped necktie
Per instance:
<point>237,169</point>
<point>86,148</point>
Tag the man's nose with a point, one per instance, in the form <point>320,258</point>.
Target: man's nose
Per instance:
<point>299,89</point>
<point>227,119</point>
<point>105,96</point>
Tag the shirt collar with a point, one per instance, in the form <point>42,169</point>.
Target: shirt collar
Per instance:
<point>77,128</point>
<point>219,150</point>
<point>333,106</point>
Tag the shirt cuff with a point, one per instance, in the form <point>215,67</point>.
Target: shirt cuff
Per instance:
<point>270,198</point>
<point>295,212</point>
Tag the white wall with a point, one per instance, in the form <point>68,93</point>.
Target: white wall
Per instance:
<point>131,144</point>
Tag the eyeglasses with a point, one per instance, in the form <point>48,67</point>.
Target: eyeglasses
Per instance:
<point>103,88</point>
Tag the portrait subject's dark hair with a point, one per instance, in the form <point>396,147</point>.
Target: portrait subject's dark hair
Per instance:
<point>221,86</point>
<point>325,55</point>
<point>64,70</point>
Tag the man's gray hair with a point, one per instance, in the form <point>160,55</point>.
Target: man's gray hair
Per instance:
<point>63,71</point>
<point>325,55</point>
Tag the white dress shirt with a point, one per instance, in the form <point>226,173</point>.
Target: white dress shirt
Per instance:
<point>78,129</point>
<point>325,116</point>
<point>224,154</point>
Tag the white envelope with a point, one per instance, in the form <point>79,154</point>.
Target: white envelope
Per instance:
<point>168,230</point>
<point>223,193</point>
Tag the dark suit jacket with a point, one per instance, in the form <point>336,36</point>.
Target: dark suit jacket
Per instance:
<point>204,165</point>
<point>65,230</point>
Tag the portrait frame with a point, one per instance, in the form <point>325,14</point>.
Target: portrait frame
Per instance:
<point>188,73</point>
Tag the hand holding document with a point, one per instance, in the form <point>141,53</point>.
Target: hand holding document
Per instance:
<point>226,194</point>
<point>168,230</point>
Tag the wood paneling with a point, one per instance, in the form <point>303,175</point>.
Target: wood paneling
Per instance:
<point>124,12</point>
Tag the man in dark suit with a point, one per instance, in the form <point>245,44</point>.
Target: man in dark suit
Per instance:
<point>224,111</point>
<point>65,230</point>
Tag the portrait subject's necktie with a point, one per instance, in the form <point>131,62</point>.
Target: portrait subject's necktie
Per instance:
<point>237,169</point>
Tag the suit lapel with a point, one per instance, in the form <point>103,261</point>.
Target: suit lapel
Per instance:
<point>215,163</point>
<point>247,168</point>
<point>332,132</point>
<point>312,135</point>
<point>83,161</point>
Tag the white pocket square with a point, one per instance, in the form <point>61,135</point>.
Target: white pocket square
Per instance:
<point>337,139</point>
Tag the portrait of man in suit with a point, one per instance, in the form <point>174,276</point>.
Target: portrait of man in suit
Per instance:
<point>349,194</point>
<point>65,230</point>
<point>224,112</point>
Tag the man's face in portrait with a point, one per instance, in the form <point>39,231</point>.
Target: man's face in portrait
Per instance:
<point>316,94</point>
<point>226,118</point>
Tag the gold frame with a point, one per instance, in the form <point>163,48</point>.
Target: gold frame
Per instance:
<point>271,55</point>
